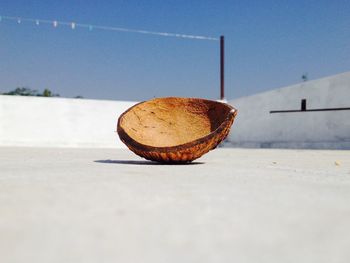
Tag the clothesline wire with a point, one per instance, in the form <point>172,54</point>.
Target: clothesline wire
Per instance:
<point>74,25</point>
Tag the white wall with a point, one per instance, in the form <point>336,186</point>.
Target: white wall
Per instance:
<point>59,122</point>
<point>256,127</point>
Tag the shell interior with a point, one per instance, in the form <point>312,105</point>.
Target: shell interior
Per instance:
<point>168,122</point>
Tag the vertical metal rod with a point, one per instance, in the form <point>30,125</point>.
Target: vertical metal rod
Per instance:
<point>222,68</point>
<point>303,105</point>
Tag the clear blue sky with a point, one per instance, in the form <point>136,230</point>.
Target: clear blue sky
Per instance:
<point>269,44</point>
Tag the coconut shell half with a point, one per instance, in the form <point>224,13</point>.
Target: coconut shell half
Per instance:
<point>175,130</point>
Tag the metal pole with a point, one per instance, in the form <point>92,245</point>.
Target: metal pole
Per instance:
<point>222,68</point>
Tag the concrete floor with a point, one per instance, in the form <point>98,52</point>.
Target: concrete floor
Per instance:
<point>233,205</point>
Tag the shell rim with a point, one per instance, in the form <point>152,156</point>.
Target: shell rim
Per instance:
<point>126,139</point>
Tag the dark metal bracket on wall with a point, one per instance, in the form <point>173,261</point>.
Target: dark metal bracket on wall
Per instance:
<point>304,109</point>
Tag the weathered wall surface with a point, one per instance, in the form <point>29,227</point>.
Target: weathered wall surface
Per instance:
<point>255,126</point>
<point>59,122</point>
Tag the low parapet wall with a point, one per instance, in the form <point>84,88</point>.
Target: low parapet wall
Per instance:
<point>270,119</point>
<point>59,122</point>
<point>277,118</point>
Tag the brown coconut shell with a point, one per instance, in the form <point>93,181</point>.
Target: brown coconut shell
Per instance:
<point>175,130</point>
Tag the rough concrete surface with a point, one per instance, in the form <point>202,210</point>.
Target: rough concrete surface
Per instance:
<point>233,205</point>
